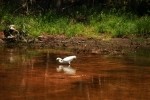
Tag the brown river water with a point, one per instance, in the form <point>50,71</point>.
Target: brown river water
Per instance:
<point>34,74</point>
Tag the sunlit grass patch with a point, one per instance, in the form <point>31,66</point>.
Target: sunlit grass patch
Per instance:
<point>110,23</point>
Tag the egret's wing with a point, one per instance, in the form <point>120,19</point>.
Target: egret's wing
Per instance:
<point>67,58</point>
<point>70,58</point>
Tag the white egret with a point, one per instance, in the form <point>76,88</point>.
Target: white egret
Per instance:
<point>66,59</point>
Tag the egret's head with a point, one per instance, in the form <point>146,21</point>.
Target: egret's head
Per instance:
<point>59,59</point>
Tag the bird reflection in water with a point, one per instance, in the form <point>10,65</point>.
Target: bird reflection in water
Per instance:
<point>67,69</point>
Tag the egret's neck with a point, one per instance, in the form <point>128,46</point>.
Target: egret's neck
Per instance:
<point>60,60</point>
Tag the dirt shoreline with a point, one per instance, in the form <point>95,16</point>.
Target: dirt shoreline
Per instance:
<point>113,46</point>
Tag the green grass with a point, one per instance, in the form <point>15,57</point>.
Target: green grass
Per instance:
<point>143,25</point>
<point>121,25</point>
<point>110,23</point>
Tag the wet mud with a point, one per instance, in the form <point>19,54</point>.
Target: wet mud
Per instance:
<point>113,46</point>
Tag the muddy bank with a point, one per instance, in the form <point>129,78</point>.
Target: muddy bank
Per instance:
<point>96,46</point>
<point>112,46</point>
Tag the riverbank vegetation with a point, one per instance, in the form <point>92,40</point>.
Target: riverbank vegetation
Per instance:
<point>81,19</point>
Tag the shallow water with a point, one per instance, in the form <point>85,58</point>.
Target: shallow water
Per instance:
<point>34,74</point>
